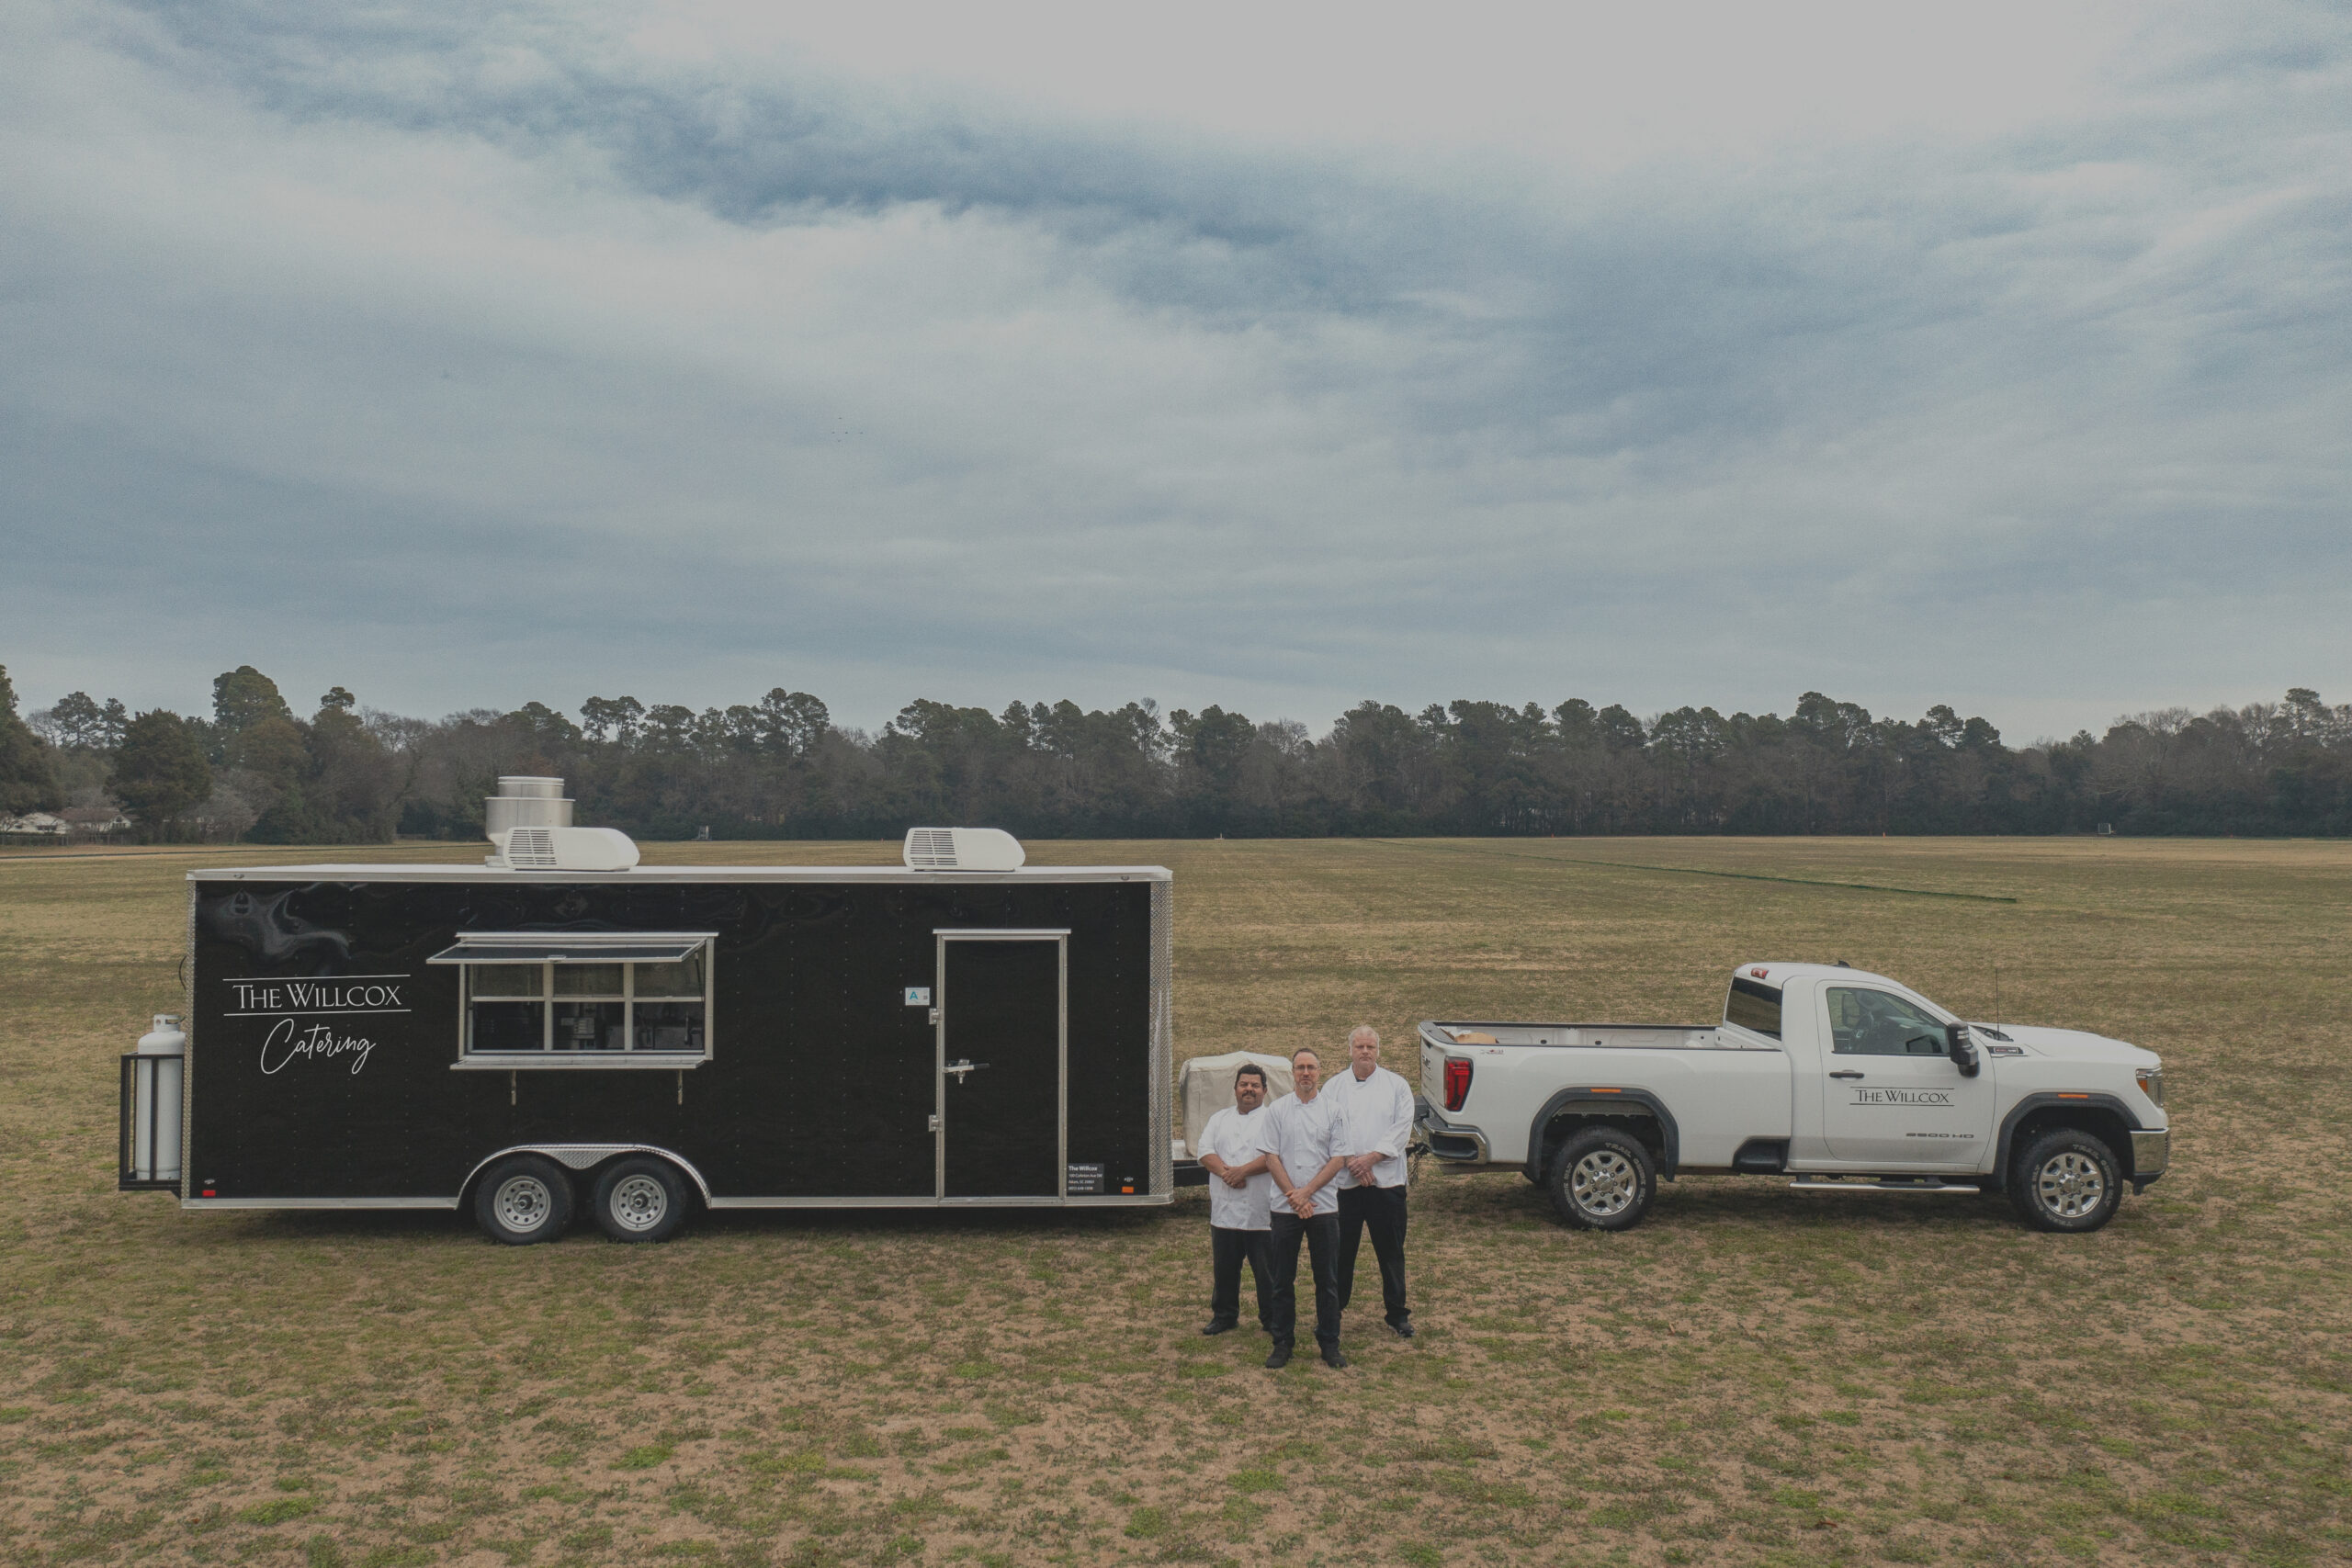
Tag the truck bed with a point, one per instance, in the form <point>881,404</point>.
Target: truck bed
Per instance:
<point>1725,1084</point>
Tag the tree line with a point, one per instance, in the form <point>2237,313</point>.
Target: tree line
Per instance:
<point>255,770</point>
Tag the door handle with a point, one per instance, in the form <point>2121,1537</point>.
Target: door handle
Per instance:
<point>1845,1075</point>
<point>961,1068</point>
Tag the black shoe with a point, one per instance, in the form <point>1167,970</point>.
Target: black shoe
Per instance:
<point>1332,1358</point>
<point>1218,1325</point>
<point>1403,1327</point>
<point>1278,1358</point>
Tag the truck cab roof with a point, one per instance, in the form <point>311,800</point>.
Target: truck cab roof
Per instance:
<point>1779,972</point>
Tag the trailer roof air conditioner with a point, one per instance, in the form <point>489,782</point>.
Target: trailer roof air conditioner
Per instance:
<point>963,849</point>
<point>564,849</point>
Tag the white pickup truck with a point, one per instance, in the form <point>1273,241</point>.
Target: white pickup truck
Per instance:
<point>1842,1080</point>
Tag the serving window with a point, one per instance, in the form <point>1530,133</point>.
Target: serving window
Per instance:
<point>601,998</point>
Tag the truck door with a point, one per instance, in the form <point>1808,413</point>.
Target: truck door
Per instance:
<point>1891,1097</point>
<point>1002,1061</point>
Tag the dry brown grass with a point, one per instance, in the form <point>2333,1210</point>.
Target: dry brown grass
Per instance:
<point>1752,1377</point>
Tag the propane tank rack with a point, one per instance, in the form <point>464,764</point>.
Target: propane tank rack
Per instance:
<point>153,1078</point>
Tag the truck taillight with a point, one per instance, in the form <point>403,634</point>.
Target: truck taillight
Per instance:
<point>1457,1082</point>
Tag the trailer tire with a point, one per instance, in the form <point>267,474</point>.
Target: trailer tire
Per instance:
<point>2067,1180</point>
<point>522,1200</point>
<point>641,1199</point>
<point>1601,1179</point>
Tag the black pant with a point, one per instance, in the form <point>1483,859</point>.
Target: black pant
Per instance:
<point>1227,1250</point>
<point>1321,1234</point>
<point>1383,1210</point>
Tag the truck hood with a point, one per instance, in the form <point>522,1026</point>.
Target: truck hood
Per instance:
<point>2068,1045</point>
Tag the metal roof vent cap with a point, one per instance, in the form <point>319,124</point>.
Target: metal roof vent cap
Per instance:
<point>963,849</point>
<point>525,800</point>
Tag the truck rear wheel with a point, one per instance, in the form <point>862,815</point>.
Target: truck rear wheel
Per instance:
<point>641,1199</point>
<point>1602,1180</point>
<point>2067,1180</point>
<point>524,1200</point>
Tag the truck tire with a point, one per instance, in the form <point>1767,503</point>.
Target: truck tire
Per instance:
<point>524,1200</point>
<point>2067,1180</point>
<point>639,1199</point>
<point>1601,1179</point>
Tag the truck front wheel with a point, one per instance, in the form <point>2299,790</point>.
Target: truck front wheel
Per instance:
<point>2067,1180</point>
<point>1602,1180</point>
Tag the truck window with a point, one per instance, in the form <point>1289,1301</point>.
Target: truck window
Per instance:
<point>1754,1005</point>
<point>1880,1023</point>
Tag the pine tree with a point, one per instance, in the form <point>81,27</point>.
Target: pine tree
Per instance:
<point>160,773</point>
<point>28,774</point>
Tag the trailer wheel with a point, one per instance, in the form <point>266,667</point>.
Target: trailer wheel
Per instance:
<point>1602,1180</point>
<point>2067,1180</point>
<point>523,1199</point>
<point>641,1199</point>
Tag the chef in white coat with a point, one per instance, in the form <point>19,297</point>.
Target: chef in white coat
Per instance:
<point>1372,1109</point>
<point>1301,1152</point>
<point>1241,1195</point>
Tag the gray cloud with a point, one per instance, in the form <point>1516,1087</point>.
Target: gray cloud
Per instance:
<point>477,350</point>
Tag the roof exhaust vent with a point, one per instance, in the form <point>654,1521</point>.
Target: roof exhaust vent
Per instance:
<point>525,801</point>
<point>963,849</point>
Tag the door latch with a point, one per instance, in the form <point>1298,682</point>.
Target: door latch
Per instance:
<point>934,1018</point>
<point>961,1069</point>
<point>935,1122</point>
<point>1845,1075</point>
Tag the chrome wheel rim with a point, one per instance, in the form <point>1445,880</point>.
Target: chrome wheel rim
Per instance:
<point>2071,1185</point>
<point>1602,1183</point>
<point>523,1204</point>
<point>639,1203</point>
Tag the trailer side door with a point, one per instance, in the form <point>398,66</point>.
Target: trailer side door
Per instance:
<point>1002,1060</point>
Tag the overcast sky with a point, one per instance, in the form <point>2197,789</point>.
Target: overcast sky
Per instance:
<point>1274,356</point>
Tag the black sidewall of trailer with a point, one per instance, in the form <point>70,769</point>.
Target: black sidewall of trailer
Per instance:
<point>824,1079</point>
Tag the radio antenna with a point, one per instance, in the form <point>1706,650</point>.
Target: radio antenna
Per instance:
<point>1996,999</point>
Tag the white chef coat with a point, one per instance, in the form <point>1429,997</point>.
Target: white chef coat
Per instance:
<point>1233,1138</point>
<point>1372,1115</point>
<point>1300,1135</point>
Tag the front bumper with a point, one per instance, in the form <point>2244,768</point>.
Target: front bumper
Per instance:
<point>2150,1154</point>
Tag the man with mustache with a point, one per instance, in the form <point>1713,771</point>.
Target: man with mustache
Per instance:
<point>1240,1197</point>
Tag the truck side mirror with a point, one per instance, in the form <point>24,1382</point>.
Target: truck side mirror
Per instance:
<point>1962,1050</point>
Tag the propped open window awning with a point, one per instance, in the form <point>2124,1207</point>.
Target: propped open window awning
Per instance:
<point>572,947</point>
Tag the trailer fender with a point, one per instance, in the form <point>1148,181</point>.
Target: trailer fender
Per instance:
<point>581,1157</point>
<point>1603,1101</point>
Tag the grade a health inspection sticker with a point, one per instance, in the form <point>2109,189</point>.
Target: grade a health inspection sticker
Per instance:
<point>917,996</point>
<point>1085,1180</point>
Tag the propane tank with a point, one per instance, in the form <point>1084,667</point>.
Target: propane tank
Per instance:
<point>161,1068</point>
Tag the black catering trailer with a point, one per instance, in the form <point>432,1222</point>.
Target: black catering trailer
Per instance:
<point>640,1042</point>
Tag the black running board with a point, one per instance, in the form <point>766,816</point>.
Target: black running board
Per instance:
<point>1898,1184</point>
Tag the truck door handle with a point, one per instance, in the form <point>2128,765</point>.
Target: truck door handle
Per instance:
<point>961,1069</point>
<point>1845,1075</point>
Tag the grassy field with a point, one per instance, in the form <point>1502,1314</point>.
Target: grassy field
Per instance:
<point>1753,1376</point>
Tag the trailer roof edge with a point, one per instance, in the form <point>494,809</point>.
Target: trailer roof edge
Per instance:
<point>333,872</point>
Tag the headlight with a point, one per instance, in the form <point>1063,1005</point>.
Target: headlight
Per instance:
<point>2151,1083</point>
